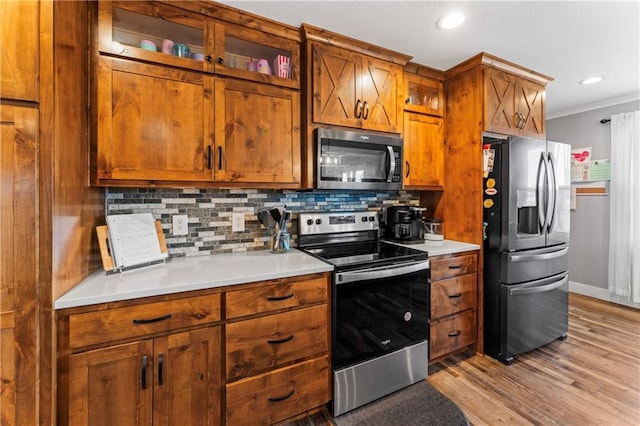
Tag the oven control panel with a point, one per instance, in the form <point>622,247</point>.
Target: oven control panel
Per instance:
<point>326,223</point>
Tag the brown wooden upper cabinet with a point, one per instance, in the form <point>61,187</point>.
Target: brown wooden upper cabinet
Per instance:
<point>164,119</point>
<point>146,30</point>
<point>19,47</point>
<point>423,95</point>
<point>513,105</point>
<point>423,151</point>
<point>354,84</point>
<point>423,127</point>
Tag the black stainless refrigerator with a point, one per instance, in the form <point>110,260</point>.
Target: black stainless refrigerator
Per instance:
<point>527,190</point>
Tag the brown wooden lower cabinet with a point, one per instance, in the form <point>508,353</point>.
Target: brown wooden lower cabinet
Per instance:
<point>274,396</point>
<point>165,361</point>
<point>454,301</point>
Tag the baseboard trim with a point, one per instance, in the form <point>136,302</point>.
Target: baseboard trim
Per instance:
<point>600,293</point>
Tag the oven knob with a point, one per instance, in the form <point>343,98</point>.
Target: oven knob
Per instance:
<point>318,221</point>
<point>372,218</point>
<point>309,222</point>
<point>364,218</point>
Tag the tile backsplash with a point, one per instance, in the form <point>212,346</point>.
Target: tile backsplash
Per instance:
<point>210,212</point>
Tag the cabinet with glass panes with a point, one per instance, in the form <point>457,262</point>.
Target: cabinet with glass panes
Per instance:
<point>191,35</point>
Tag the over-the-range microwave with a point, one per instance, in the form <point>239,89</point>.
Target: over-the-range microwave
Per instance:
<point>358,161</point>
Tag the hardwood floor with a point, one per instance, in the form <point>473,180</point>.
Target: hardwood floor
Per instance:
<point>592,378</point>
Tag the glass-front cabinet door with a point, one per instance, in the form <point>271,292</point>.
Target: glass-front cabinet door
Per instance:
<point>255,55</point>
<point>155,32</point>
<point>176,36</point>
<point>423,95</point>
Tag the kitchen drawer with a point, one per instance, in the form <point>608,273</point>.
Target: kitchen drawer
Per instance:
<point>453,295</point>
<point>255,345</point>
<point>267,298</point>
<point>140,320</point>
<point>452,333</point>
<point>446,267</point>
<point>275,396</point>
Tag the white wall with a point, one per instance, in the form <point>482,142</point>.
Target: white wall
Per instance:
<point>589,250</point>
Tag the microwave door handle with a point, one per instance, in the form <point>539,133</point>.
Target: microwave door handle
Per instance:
<point>392,163</point>
<point>381,272</point>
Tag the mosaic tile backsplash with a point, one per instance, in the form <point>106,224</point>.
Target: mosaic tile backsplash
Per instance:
<point>210,212</point>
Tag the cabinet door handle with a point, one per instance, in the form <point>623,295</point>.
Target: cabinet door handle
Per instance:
<point>220,61</point>
<point>278,341</point>
<point>455,266</point>
<point>209,58</point>
<point>209,157</point>
<point>358,108</point>
<point>408,168</point>
<point>455,296</point>
<point>406,101</point>
<point>160,367</point>
<point>276,298</point>
<point>219,157</point>
<point>282,398</point>
<point>455,333</point>
<point>366,110</point>
<point>143,377</point>
<point>152,320</point>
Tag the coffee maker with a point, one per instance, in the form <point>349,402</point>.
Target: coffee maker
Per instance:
<point>404,224</point>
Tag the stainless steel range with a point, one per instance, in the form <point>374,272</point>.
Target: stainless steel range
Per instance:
<point>380,306</point>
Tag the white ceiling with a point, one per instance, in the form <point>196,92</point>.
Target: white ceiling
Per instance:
<point>566,40</point>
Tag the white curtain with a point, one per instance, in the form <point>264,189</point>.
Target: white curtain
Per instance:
<point>624,243</point>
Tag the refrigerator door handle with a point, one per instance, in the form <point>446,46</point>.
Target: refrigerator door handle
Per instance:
<point>553,193</point>
<point>544,256</point>
<point>540,193</point>
<point>538,289</point>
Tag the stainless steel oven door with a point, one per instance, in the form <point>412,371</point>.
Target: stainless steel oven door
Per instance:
<point>379,310</point>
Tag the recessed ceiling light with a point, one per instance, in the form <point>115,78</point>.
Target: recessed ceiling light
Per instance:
<point>451,20</point>
<point>592,80</point>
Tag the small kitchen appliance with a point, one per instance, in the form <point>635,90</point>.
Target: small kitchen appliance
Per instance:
<point>433,230</point>
<point>403,224</point>
<point>380,300</point>
<point>348,160</point>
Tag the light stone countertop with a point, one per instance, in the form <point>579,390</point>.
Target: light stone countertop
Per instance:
<point>190,273</point>
<point>203,272</point>
<point>436,248</point>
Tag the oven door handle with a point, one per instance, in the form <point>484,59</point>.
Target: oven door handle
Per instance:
<point>381,272</point>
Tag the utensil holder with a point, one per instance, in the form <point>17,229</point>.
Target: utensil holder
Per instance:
<point>280,240</point>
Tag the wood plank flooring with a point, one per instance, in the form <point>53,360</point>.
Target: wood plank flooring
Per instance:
<point>592,378</point>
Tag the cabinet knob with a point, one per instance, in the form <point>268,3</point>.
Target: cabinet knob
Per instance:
<point>220,61</point>
<point>406,101</point>
<point>209,58</point>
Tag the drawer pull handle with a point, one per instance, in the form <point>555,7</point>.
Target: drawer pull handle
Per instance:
<point>276,298</point>
<point>160,368</point>
<point>152,320</point>
<point>278,341</point>
<point>282,398</point>
<point>455,296</point>
<point>455,266</point>
<point>143,377</point>
<point>455,333</point>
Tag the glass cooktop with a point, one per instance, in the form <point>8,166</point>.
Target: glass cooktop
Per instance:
<point>369,254</point>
